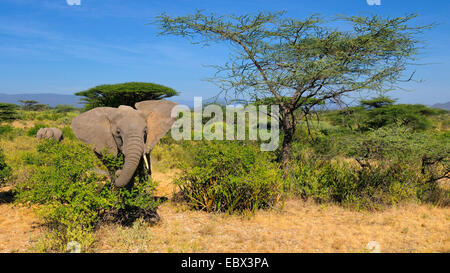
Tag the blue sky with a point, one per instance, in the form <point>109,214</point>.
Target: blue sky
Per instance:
<point>48,46</point>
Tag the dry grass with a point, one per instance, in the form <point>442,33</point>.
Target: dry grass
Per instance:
<point>19,227</point>
<point>24,124</point>
<point>165,186</point>
<point>297,227</point>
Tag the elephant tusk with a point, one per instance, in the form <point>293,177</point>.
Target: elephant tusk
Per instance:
<point>146,162</point>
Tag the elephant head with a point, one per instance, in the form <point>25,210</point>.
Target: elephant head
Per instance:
<point>130,131</point>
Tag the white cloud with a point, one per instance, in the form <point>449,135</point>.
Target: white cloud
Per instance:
<point>374,2</point>
<point>73,2</point>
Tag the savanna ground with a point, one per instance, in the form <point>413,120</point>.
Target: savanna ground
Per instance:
<point>299,226</point>
<point>293,225</point>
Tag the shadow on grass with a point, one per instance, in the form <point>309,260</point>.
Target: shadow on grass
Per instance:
<point>127,216</point>
<point>7,197</point>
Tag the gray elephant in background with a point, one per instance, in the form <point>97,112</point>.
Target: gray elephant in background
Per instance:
<point>50,133</point>
<point>130,131</point>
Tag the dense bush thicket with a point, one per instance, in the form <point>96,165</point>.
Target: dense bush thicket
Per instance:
<point>383,184</point>
<point>230,176</point>
<point>73,197</point>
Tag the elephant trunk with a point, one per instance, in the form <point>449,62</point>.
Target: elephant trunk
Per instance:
<point>132,158</point>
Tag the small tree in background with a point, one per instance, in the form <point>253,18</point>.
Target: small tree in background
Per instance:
<point>377,102</point>
<point>114,95</point>
<point>381,111</point>
<point>8,111</point>
<point>294,61</point>
<point>28,104</point>
<point>32,105</point>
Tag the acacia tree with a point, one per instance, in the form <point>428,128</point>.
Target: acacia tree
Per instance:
<point>114,95</point>
<point>302,63</point>
<point>32,105</point>
<point>28,104</point>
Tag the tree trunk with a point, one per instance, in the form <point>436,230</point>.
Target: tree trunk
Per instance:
<point>288,127</point>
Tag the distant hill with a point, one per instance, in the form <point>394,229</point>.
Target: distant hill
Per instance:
<point>55,99</point>
<point>445,106</point>
<point>50,99</point>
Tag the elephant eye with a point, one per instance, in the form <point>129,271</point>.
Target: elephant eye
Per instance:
<point>118,131</point>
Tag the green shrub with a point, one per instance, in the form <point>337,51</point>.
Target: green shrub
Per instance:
<point>27,115</point>
<point>322,181</point>
<point>68,133</point>
<point>6,129</point>
<point>73,197</point>
<point>64,108</point>
<point>5,170</point>
<point>230,176</point>
<point>49,115</point>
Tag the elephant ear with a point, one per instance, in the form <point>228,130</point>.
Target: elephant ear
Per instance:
<point>158,117</point>
<point>93,127</point>
<point>48,133</point>
<point>40,132</point>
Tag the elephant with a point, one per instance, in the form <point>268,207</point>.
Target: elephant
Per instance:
<point>132,132</point>
<point>50,133</point>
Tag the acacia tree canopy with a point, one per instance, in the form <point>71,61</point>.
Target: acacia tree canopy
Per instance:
<point>114,95</point>
<point>294,61</point>
<point>377,102</point>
